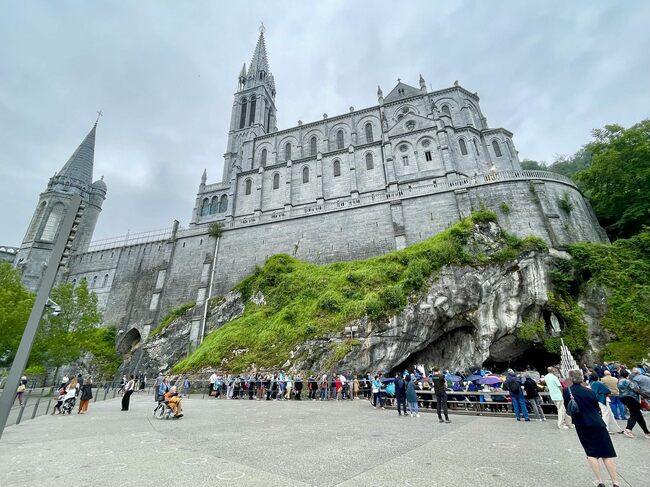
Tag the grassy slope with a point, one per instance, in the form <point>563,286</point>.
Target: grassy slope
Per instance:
<point>307,300</point>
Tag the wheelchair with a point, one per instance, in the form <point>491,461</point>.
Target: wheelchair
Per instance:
<point>162,410</point>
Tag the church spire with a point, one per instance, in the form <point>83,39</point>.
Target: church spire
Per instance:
<point>259,63</point>
<point>80,164</point>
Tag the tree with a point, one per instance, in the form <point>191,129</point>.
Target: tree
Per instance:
<point>15,306</point>
<point>63,338</point>
<point>571,165</point>
<point>618,179</point>
<point>533,165</point>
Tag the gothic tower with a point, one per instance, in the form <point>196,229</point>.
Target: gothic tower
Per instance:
<point>74,178</point>
<point>253,111</point>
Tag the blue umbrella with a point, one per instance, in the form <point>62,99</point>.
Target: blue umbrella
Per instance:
<point>452,378</point>
<point>490,380</point>
<point>474,377</point>
<point>384,381</point>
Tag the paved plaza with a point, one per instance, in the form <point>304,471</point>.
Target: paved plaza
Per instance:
<point>270,443</point>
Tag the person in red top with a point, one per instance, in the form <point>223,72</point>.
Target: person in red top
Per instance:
<point>339,387</point>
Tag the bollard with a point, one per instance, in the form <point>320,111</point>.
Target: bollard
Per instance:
<point>38,401</point>
<point>22,410</point>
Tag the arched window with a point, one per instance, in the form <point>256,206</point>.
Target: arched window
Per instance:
<point>287,151</point>
<point>497,149</point>
<point>463,146</point>
<point>105,282</point>
<point>223,204</point>
<point>53,222</point>
<point>313,146</point>
<point>263,158</point>
<point>369,162</point>
<point>305,174</point>
<point>242,115</point>
<point>35,222</point>
<point>205,207</point>
<point>251,119</point>
<point>337,168</point>
<point>445,110</point>
<point>276,181</point>
<point>214,205</point>
<point>248,186</point>
<point>339,139</point>
<point>369,133</point>
<point>94,281</point>
<point>475,146</point>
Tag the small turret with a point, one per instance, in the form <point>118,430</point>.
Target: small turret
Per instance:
<point>380,95</point>
<point>204,177</point>
<point>423,85</point>
<point>242,78</point>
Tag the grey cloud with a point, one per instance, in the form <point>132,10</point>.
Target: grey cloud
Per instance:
<point>164,74</point>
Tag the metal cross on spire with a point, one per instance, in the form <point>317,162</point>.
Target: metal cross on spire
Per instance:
<point>99,114</point>
<point>262,28</point>
<point>399,80</point>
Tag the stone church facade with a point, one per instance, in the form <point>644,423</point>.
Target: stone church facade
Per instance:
<point>346,187</point>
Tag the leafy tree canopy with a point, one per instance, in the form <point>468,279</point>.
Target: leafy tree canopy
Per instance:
<point>15,305</point>
<point>618,179</point>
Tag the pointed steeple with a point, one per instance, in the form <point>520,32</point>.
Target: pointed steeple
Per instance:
<point>242,74</point>
<point>80,164</point>
<point>259,63</point>
<point>204,177</point>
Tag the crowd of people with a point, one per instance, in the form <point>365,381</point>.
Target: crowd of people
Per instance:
<point>69,390</point>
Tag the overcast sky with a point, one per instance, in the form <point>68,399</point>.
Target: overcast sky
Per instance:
<point>164,73</point>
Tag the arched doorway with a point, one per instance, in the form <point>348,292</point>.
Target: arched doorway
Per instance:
<point>129,341</point>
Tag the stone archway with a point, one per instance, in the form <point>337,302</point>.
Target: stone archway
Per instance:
<point>130,340</point>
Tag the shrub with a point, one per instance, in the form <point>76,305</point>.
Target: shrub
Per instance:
<point>170,317</point>
<point>505,208</point>
<point>215,230</point>
<point>565,203</point>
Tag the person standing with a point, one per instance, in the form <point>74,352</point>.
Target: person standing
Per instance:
<point>159,380</point>
<point>186,387</point>
<point>400,394</point>
<point>312,386</point>
<point>590,427</point>
<point>440,390</point>
<point>298,385</point>
<point>376,393</point>
<point>338,384</point>
<point>324,387</point>
<point>411,396</point>
<point>514,386</point>
<point>555,390</point>
<point>602,391</point>
<point>629,395</point>
<point>532,395</point>
<point>614,401</point>
<point>86,395</point>
<point>128,390</point>
<point>20,392</point>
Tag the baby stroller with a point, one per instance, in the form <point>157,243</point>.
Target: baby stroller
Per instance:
<point>68,405</point>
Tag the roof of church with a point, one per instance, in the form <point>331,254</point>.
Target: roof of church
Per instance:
<point>259,61</point>
<point>80,164</point>
<point>402,90</point>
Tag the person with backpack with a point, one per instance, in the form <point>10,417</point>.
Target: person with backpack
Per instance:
<point>581,403</point>
<point>400,394</point>
<point>86,396</point>
<point>532,396</point>
<point>554,387</point>
<point>186,387</point>
<point>513,385</point>
<point>440,389</point>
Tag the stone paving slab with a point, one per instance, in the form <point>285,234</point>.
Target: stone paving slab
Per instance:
<point>270,443</point>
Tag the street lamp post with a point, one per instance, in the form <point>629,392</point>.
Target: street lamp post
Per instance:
<point>60,254</point>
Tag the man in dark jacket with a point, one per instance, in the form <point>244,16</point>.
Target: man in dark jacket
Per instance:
<point>532,395</point>
<point>400,394</point>
<point>440,388</point>
<point>513,385</point>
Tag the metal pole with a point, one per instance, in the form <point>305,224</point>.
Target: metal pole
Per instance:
<point>207,298</point>
<point>38,401</point>
<point>25,347</point>
<point>22,410</point>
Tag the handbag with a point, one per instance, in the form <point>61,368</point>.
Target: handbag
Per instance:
<point>572,407</point>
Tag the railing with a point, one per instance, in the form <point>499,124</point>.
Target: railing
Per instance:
<point>459,402</point>
<point>406,191</point>
<point>130,239</point>
<point>41,401</point>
